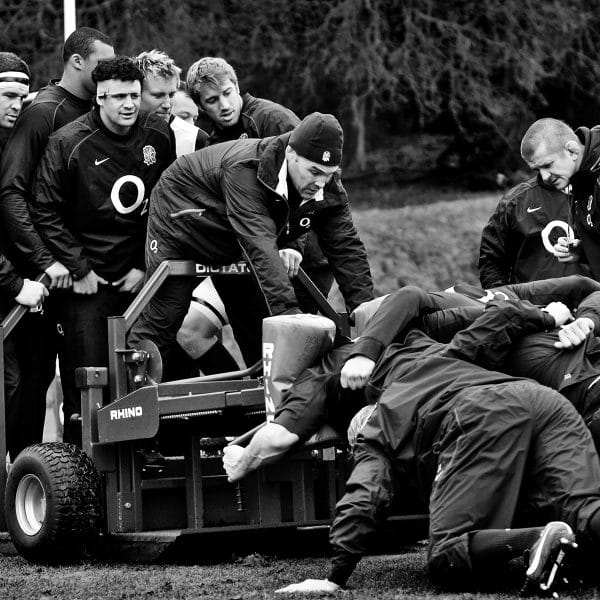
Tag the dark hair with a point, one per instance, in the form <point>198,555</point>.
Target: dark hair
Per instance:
<point>81,42</point>
<point>119,67</point>
<point>11,62</point>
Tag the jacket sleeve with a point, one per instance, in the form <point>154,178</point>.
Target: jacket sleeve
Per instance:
<point>490,338</point>
<point>571,290</point>
<point>19,162</point>
<point>365,505</point>
<point>345,252</point>
<point>590,308</point>
<point>396,316</point>
<point>499,246</point>
<point>256,232</point>
<point>10,283</point>
<point>52,190</point>
<point>443,325</point>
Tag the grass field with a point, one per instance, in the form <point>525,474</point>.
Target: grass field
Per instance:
<point>392,577</point>
<point>432,245</point>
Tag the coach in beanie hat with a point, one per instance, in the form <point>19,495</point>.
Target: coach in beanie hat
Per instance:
<point>319,138</point>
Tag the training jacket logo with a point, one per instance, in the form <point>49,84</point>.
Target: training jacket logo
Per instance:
<point>149,155</point>
<point>530,210</point>
<point>99,162</point>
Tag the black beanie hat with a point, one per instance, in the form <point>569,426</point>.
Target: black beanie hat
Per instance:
<point>319,138</point>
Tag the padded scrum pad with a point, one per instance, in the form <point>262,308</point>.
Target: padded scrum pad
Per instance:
<point>291,343</point>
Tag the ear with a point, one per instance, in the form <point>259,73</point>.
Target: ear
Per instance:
<point>76,61</point>
<point>573,148</point>
<point>290,153</point>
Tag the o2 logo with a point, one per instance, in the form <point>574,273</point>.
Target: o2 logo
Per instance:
<point>568,230</point>
<point>115,195</point>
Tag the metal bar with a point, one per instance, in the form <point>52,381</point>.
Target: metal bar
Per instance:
<point>169,268</point>
<point>322,302</point>
<point>145,294</point>
<point>246,437</point>
<point>2,435</point>
<point>117,370</point>
<point>255,368</point>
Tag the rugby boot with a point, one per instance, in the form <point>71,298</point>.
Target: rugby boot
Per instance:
<point>546,558</point>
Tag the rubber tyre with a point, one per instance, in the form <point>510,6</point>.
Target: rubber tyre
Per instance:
<point>53,503</point>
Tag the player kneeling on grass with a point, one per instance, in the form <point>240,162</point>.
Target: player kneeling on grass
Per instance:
<point>481,447</point>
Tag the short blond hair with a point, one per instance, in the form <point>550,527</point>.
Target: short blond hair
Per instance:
<point>157,63</point>
<point>208,71</point>
<point>551,132</point>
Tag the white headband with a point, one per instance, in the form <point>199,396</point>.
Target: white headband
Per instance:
<point>18,76</point>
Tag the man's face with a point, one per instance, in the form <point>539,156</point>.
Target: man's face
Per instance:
<point>222,104</point>
<point>99,52</point>
<point>119,103</point>
<point>12,95</point>
<point>157,95</point>
<point>307,176</point>
<point>184,108</point>
<point>556,166</point>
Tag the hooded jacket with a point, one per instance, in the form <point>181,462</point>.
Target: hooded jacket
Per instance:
<point>229,201</point>
<point>586,197</point>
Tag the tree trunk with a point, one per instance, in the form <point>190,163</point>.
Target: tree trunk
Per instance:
<point>357,160</point>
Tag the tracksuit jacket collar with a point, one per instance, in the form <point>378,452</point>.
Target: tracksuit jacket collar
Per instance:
<point>590,138</point>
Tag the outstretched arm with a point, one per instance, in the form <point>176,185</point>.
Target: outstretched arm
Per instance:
<point>396,316</point>
<point>366,503</point>
<point>489,339</point>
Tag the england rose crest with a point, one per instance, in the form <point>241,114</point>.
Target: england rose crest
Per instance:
<point>149,155</point>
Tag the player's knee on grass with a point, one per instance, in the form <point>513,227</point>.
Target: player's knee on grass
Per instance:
<point>449,563</point>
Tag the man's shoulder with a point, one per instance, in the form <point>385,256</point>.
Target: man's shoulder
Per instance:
<point>53,98</point>
<point>531,189</point>
<point>153,124</point>
<point>76,129</point>
<point>270,118</point>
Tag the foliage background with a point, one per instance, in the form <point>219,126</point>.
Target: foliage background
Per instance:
<point>471,73</point>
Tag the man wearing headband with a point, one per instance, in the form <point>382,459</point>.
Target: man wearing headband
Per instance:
<point>57,104</point>
<point>14,87</point>
<point>246,199</point>
<point>90,207</point>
